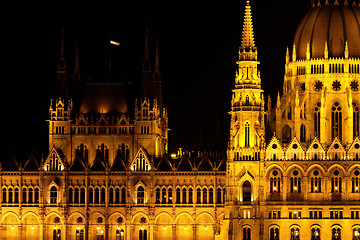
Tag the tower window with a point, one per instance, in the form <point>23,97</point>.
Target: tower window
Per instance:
<point>317,120</point>
<point>53,194</point>
<point>336,121</point>
<point>247,134</point>
<point>356,120</point>
<point>140,195</point>
<point>302,133</point>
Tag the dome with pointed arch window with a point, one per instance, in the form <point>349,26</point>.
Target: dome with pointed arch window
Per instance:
<point>334,22</point>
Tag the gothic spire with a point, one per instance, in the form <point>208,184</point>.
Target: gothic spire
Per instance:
<point>146,62</point>
<point>76,73</point>
<point>147,75</point>
<point>61,80</point>
<point>248,42</point>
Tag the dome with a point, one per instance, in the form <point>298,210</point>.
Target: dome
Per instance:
<point>334,24</point>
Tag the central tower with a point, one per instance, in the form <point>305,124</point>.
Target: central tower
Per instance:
<point>247,139</point>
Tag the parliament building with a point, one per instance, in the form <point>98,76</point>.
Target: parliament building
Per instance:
<point>291,169</point>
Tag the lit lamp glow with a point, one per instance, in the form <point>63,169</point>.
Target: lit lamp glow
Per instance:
<point>274,188</point>
<point>356,233</point>
<point>185,228</point>
<point>164,227</point>
<point>295,188</point>
<point>205,227</point>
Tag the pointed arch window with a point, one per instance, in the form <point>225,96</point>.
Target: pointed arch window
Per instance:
<point>336,121</point>
<point>317,120</point>
<point>356,234</point>
<point>140,195</point>
<point>275,182</point>
<point>24,195</point>
<point>157,196</point>
<point>356,120</point>
<point>247,134</point>
<point>184,193</point>
<point>336,234</point>
<point>295,182</point>
<point>355,182</point>
<point>123,195</point>
<point>315,182</point>
<point>246,190</point>
<point>163,195</point>
<point>218,197</point>
<point>53,195</point>
<point>302,133</point>
<point>190,196</point>
<point>246,233</point>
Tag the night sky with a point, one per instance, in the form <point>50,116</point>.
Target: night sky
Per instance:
<point>198,44</point>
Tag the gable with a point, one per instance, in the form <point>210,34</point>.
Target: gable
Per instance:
<point>295,150</point>
<point>141,161</point>
<point>274,150</point>
<point>315,151</point>
<point>336,151</point>
<point>55,161</point>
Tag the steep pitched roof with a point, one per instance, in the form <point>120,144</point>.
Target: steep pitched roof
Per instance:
<point>205,164</point>
<point>185,164</point>
<point>118,164</point>
<point>164,164</point>
<point>31,164</point>
<point>222,165</point>
<point>10,163</point>
<point>98,164</point>
<point>78,164</point>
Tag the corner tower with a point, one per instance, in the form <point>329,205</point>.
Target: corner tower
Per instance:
<point>247,133</point>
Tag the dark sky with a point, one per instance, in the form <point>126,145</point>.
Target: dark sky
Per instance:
<point>198,43</point>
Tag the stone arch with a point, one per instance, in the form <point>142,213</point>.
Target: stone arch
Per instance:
<point>273,167</point>
<point>292,167</point>
<point>206,225</point>
<point>94,218</point>
<point>73,218</point>
<point>336,165</point>
<point>10,218</point>
<point>30,226</point>
<point>184,218</point>
<point>315,166</point>
<point>164,226</point>
<point>162,217</point>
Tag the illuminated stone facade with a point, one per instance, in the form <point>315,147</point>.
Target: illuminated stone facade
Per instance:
<point>303,182</point>
<point>108,174</point>
<point>291,171</point>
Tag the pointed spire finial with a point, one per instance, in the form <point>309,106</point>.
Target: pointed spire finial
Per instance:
<point>278,102</point>
<point>76,73</point>
<point>287,55</point>
<point>157,69</point>
<point>336,3</point>
<point>346,3</point>
<point>312,3</point>
<point>294,53</point>
<point>327,3</point>
<point>308,51</point>
<point>326,52</point>
<point>146,63</point>
<point>248,41</point>
<point>346,50</point>
<point>318,4</point>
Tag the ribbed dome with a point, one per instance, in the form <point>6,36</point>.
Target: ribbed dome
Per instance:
<point>335,24</point>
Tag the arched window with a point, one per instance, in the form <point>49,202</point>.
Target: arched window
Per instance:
<point>103,195</point>
<point>163,195</point>
<point>211,196</point>
<point>10,197</point>
<point>91,195</point>
<point>70,199</point>
<point>117,195</point>
<point>157,196</point>
<point>315,182</point>
<point>190,196</point>
<point>123,195</point>
<point>178,193</point>
<point>82,195</point>
<point>140,195</point>
<point>218,197</point>
<point>356,120</point>
<point>111,195</point>
<point>246,190</point>
<point>198,195</point>
<point>36,195</point>
<point>317,121</point>
<point>120,234</point>
<point>24,195</point>
<point>170,193</point>
<point>184,193</point>
<point>246,233</point>
<point>275,182</point>
<point>355,182</point>
<point>142,234</point>
<point>302,133</point>
<point>205,193</point>
<point>16,195</point>
<point>247,134</point>
<point>31,194</point>
<point>4,194</point>
<point>53,195</point>
<point>336,184</point>
<point>336,234</point>
<point>274,233</point>
<point>315,234</point>
<point>295,182</point>
<point>247,100</point>
<point>76,195</point>
<point>336,121</point>
<point>295,234</point>
<point>97,195</point>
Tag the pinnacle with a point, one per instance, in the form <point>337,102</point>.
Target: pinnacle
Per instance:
<point>248,41</point>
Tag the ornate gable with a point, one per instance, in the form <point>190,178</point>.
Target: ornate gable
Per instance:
<point>354,150</point>
<point>336,151</point>
<point>274,150</point>
<point>141,161</point>
<point>55,161</point>
<point>295,151</point>
<point>315,151</point>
